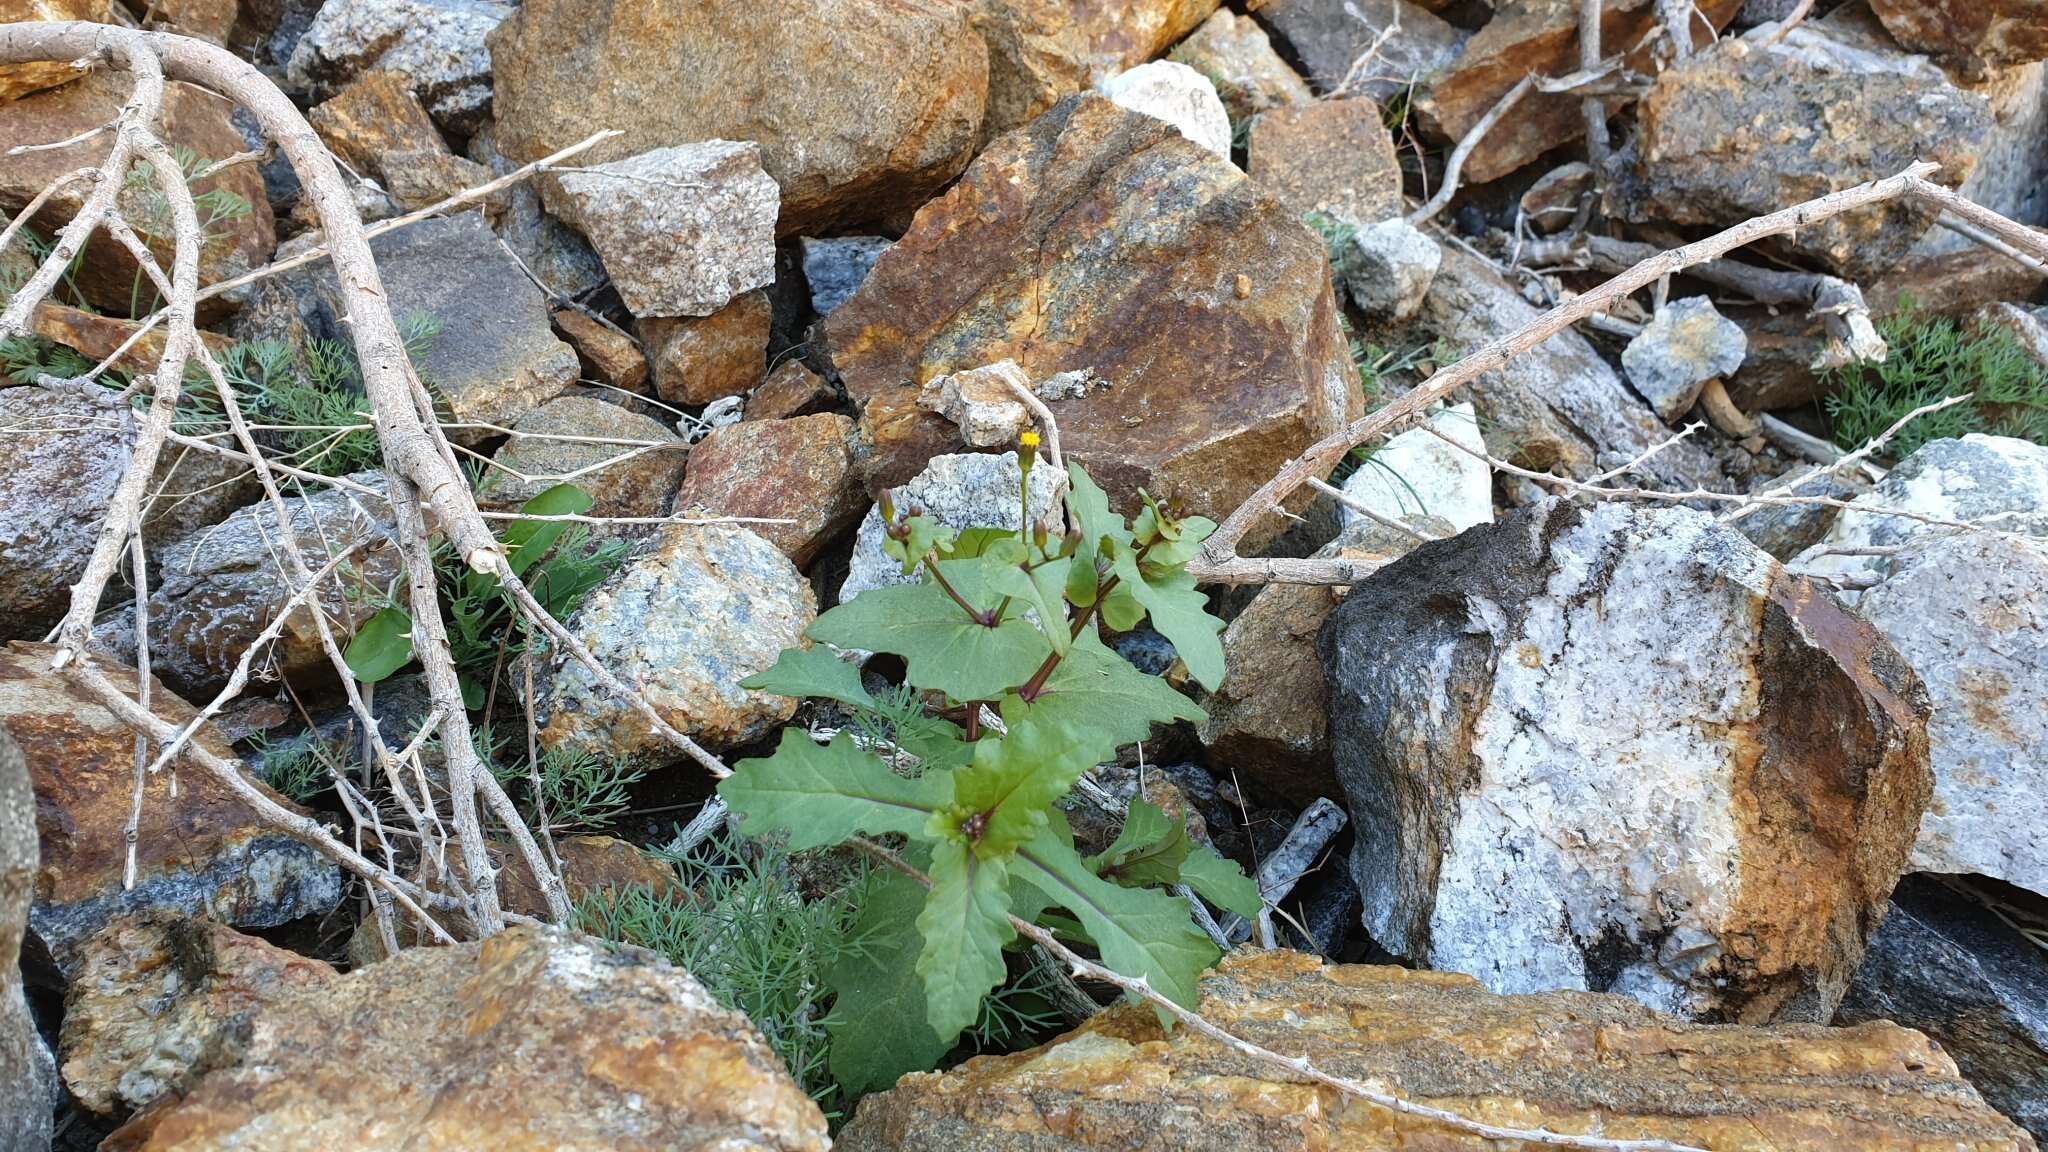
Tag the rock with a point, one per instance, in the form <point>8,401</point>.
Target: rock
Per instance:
<point>834,268</point>
<point>1583,749</point>
<point>1849,117</point>
<point>18,80</point>
<point>558,255</point>
<point>1998,480</point>
<point>980,403</point>
<point>201,851</point>
<point>1176,94</point>
<point>2027,326</point>
<point>1945,965</point>
<point>1566,1061</point>
<point>1552,202</point>
<point>1542,37</point>
<point>1786,530</point>
<point>530,1040</point>
<point>695,610</point>
<point>218,588</point>
<point>972,490</point>
<point>1686,344</point>
<point>682,230</point>
<point>650,458</point>
<point>98,337</point>
<point>155,994</point>
<point>1334,157</point>
<point>1968,611</point>
<point>1042,51</point>
<point>382,130</point>
<point>1268,724</point>
<point>792,389</point>
<point>2011,176</point>
<point>59,465</point>
<point>438,43</point>
<point>495,356</point>
<point>698,360</point>
<point>609,353</point>
<point>799,469</point>
<point>890,122</point>
<point>1417,474</point>
<point>1388,268</point>
<point>1413,44</point>
<point>1233,52</point>
<point>206,19</point>
<point>191,118</point>
<point>591,866</point>
<point>376,115</point>
<point>28,1078</point>
<point>1558,406</point>
<point>1201,304</point>
<point>1973,38</point>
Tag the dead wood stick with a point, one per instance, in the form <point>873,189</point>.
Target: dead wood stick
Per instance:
<point>1455,166</point>
<point>1218,562</point>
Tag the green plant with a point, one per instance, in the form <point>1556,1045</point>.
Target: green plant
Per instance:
<point>745,930</point>
<point>580,791</point>
<point>553,558</point>
<point>155,220</point>
<point>1000,621</point>
<point>1932,358</point>
<point>301,770</point>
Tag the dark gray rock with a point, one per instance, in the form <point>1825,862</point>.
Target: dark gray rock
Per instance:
<point>1327,39</point>
<point>439,43</point>
<point>28,1076</point>
<point>836,267</point>
<point>1945,965</point>
<point>495,355</point>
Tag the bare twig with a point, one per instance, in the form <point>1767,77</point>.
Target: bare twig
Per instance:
<point>1593,109</point>
<point>1456,164</point>
<point>1219,563</point>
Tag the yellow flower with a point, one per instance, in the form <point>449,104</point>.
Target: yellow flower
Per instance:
<point>1028,439</point>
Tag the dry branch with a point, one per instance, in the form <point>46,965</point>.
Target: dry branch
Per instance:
<point>1219,563</point>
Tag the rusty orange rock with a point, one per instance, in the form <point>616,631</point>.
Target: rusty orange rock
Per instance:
<point>18,80</point>
<point>531,1041</point>
<point>1041,51</point>
<point>1334,157</point>
<point>199,851</point>
<point>1098,238</point>
<point>1975,36</point>
<point>1572,1062</point>
<point>1539,37</point>
<point>799,469</point>
<point>192,118</point>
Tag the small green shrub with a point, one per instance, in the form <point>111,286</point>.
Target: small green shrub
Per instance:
<point>300,771</point>
<point>580,791</point>
<point>1932,358</point>
<point>554,558</point>
<point>1000,620</point>
<point>746,931</point>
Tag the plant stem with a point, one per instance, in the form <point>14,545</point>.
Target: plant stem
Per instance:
<point>985,619</point>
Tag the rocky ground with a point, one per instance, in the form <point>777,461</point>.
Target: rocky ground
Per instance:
<point>1673,773</point>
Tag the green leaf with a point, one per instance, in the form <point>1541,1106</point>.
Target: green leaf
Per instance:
<point>1091,513</point>
<point>1181,614</point>
<point>877,1023</point>
<point>974,542</point>
<point>1141,932</point>
<point>965,924</point>
<point>526,541</point>
<point>943,648</point>
<point>1042,589</point>
<point>1175,551</point>
<point>1221,882</point>
<point>1121,609</point>
<point>813,671</point>
<point>1016,777</point>
<point>1148,849</point>
<point>381,646</point>
<point>1097,693</point>
<point>821,796</point>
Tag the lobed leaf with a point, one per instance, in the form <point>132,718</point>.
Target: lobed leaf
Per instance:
<point>877,1023</point>
<point>822,795</point>
<point>813,671</point>
<point>1141,932</point>
<point>943,648</point>
<point>965,924</point>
